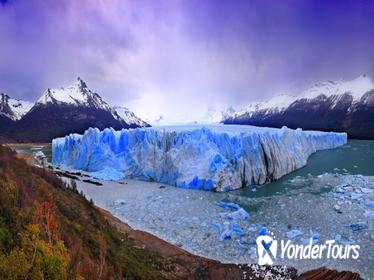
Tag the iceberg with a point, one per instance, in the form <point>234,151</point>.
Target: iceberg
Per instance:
<point>214,157</point>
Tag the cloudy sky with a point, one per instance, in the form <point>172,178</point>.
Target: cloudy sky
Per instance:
<point>180,57</point>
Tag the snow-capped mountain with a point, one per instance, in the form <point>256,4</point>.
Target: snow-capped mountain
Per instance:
<point>58,112</point>
<point>13,109</point>
<point>77,94</point>
<point>356,88</point>
<point>277,104</point>
<point>332,105</point>
<point>127,116</point>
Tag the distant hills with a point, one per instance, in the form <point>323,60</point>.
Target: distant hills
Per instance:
<point>329,106</point>
<point>61,111</point>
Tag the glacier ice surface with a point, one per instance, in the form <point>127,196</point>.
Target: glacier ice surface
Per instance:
<point>215,157</point>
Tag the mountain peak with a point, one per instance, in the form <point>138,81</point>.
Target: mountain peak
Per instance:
<point>356,87</point>
<point>81,84</point>
<point>13,109</point>
<point>77,94</point>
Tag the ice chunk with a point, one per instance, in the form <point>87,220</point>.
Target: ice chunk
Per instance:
<point>366,190</point>
<point>223,232</point>
<point>294,233</point>
<point>239,214</point>
<point>119,202</point>
<point>228,205</point>
<point>369,214</point>
<point>264,231</point>
<point>370,204</point>
<point>226,234</point>
<point>237,229</point>
<point>358,226</point>
<point>314,234</point>
<point>218,226</point>
<point>307,241</point>
<point>217,157</point>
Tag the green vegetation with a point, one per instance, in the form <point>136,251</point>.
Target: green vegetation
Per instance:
<point>50,231</point>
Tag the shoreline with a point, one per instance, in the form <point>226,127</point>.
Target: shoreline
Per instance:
<point>152,209</point>
<point>190,265</point>
<point>26,144</point>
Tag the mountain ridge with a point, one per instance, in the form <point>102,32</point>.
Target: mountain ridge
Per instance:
<point>328,106</point>
<point>58,112</point>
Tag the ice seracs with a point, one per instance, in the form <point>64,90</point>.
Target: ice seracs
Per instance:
<point>214,157</point>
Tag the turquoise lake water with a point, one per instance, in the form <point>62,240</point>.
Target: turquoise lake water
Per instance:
<point>356,157</point>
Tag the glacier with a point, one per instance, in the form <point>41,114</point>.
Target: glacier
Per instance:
<point>214,157</point>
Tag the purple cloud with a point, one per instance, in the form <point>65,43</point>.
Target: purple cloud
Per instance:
<point>180,57</point>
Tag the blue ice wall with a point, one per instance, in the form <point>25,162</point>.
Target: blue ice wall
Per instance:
<point>217,157</point>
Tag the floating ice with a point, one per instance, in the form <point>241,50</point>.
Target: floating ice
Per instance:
<point>237,229</point>
<point>314,234</point>
<point>228,205</point>
<point>369,214</point>
<point>171,217</point>
<point>224,231</point>
<point>264,231</point>
<point>370,204</point>
<point>294,233</point>
<point>239,214</point>
<point>211,157</point>
<point>358,226</point>
<point>338,237</point>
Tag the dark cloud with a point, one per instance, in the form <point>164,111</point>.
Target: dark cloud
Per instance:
<point>181,56</point>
